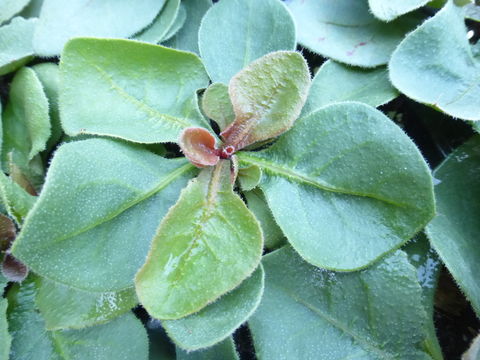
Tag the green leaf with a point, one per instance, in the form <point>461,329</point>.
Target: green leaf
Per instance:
<point>48,74</point>
<point>428,266</point>
<point>454,231</point>
<point>97,18</point>
<point>123,338</point>
<point>346,31</point>
<point>267,97</point>
<point>472,12</point>
<point>16,200</point>
<point>162,24</point>
<point>177,24</point>
<point>272,233</point>
<point>32,10</point>
<point>192,263</point>
<point>216,105</point>
<point>351,180</point>
<point>63,307</point>
<point>5,339</point>
<point>97,213</point>
<point>435,65</point>
<point>335,82</point>
<point>223,351</point>
<point>136,91</point>
<point>372,314</point>
<point>217,321</point>
<point>249,177</point>
<point>236,32</point>
<point>389,10</point>
<point>9,8</point>
<point>16,40</point>
<point>187,37</point>
<point>26,121</point>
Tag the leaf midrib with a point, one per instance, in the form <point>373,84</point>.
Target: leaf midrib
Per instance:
<point>304,179</point>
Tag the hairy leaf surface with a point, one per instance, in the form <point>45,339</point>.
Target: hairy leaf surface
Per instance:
<point>224,351</point>
<point>156,32</point>
<point>9,8</point>
<point>389,10</point>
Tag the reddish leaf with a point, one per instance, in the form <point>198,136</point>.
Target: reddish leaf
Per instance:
<point>198,145</point>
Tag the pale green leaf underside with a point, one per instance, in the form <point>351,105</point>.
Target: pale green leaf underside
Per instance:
<point>234,33</point>
<point>63,307</point>
<point>335,82</point>
<point>374,314</point>
<point>97,213</point>
<point>195,260</point>
<point>454,231</point>
<point>9,8</point>
<point>435,65</point>
<point>16,44</point>
<point>391,9</point>
<point>187,38</point>
<point>136,91</point>
<point>162,24</point>
<point>351,180</point>
<point>346,31</point>
<point>5,339</point>
<point>222,351</point>
<point>123,338</point>
<point>100,18</point>
<point>217,321</point>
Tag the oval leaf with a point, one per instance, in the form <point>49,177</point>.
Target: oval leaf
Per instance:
<point>12,269</point>
<point>216,104</point>
<point>435,65</point>
<point>198,145</point>
<point>338,316</point>
<point>351,180</point>
<point>192,263</point>
<point>454,231</point>
<point>346,31</point>
<point>217,321</point>
<point>98,18</point>
<point>389,10</point>
<point>162,24</point>
<point>267,98</point>
<point>142,92</point>
<point>9,8</point>
<point>97,213</point>
<point>236,32</point>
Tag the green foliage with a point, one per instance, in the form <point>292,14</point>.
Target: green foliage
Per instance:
<point>102,204</point>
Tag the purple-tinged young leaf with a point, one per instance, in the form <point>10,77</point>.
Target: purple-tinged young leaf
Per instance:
<point>198,145</point>
<point>7,232</point>
<point>267,97</point>
<point>13,269</point>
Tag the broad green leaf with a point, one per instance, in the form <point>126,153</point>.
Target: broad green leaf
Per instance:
<point>16,200</point>
<point>187,37</point>
<point>428,266</point>
<point>336,82</point>
<point>97,213</point>
<point>9,8</point>
<point>195,260</point>
<point>217,321</point>
<point>346,31</point>
<point>16,44</point>
<point>136,91</point>
<point>307,313</point>
<point>48,74</point>
<point>351,180</point>
<point>162,24</point>
<point>272,234</point>
<point>216,105</point>
<point>223,351</point>
<point>435,65</point>
<point>389,10</point>
<point>249,177</point>
<point>5,338</point>
<point>267,97</point>
<point>26,121</point>
<point>99,18</point>
<point>473,352</point>
<point>63,307</point>
<point>123,338</point>
<point>234,33</point>
<point>177,24</point>
<point>454,231</point>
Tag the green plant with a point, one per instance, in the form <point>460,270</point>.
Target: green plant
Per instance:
<point>140,174</point>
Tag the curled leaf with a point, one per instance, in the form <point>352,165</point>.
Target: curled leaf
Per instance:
<point>198,145</point>
<point>267,97</point>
